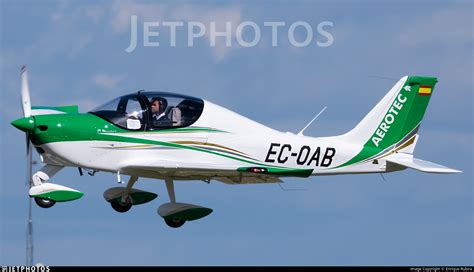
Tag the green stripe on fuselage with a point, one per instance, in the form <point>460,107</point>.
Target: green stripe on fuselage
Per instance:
<point>88,127</point>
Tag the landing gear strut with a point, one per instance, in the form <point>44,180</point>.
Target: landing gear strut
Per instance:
<point>172,222</point>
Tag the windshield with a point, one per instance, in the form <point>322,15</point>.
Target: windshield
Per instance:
<point>125,112</point>
<point>151,111</point>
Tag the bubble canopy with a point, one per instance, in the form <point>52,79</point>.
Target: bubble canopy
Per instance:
<point>151,110</point>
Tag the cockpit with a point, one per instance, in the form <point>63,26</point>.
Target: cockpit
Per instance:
<point>151,111</point>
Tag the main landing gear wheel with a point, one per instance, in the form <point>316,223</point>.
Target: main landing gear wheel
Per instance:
<point>120,206</point>
<point>44,203</point>
<point>174,223</point>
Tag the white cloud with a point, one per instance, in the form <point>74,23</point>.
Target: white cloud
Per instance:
<point>107,81</point>
<point>86,104</point>
<point>218,15</point>
<point>448,26</point>
<point>122,11</point>
<point>96,13</point>
<point>59,14</point>
<point>66,19</point>
<point>78,45</point>
<point>65,35</point>
<point>450,30</point>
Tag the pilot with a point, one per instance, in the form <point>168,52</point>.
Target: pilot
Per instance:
<point>158,107</point>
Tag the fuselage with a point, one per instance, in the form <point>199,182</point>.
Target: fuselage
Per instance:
<point>218,138</point>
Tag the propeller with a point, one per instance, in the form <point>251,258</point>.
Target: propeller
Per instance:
<point>26,106</point>
<point>25,93</point>
<point>27,124</point>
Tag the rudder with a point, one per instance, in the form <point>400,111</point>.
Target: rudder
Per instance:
<point>404,115</point>
<point>393,123</point>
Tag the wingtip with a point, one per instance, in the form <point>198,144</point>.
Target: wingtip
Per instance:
<point>452,171</point>
<point>445,171</point>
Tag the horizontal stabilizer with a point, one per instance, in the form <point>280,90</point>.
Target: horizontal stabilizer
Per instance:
<point>420,165</point>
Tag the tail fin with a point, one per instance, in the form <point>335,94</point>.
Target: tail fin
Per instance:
<point>393,123</point>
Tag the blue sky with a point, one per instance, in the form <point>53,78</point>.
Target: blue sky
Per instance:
<point>75,55</point>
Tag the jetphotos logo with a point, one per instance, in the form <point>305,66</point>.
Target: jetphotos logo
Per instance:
<point>36,268</point>
<point>245,34</point>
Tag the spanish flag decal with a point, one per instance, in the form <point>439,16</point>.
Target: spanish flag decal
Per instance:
<point>424,90</point>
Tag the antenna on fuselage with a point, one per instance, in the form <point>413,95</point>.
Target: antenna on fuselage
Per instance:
<point>301,132</point>
<point>383,77</point>
<point>291,189</point>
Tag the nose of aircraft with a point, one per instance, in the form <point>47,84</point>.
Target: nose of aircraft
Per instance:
<point>26,124</point>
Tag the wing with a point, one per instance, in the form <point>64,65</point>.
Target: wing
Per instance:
<point>195,171</point>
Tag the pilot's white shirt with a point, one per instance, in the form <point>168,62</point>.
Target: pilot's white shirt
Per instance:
<point>157,117</point>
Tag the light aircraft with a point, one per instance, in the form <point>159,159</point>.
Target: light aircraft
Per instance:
<point>195,139</point>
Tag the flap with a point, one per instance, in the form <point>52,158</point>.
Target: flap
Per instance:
<point>195,171</point>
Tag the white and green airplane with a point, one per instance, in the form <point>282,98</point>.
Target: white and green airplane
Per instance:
<point>195,139</point>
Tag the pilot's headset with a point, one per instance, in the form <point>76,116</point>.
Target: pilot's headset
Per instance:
<point>163,103</point>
